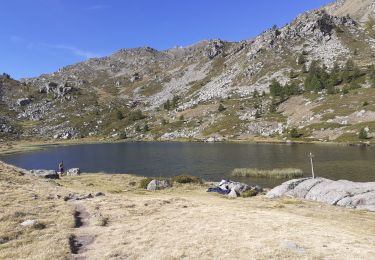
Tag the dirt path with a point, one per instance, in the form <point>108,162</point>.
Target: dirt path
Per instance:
<point>79,243</point>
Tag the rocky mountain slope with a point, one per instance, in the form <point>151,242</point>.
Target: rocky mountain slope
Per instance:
<point>213,90</point>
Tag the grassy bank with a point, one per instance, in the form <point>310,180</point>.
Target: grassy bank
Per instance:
<point>181,222</point>
<point>285,173</point>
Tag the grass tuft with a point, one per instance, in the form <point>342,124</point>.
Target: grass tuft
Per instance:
<point>285,173</point>
<point>249,193</point>
<point>144,182</point>
<point>183,179</point>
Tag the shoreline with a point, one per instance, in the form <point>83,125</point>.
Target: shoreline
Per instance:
<point>19,146</point>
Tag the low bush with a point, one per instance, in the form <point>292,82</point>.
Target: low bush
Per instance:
<point>249,193</point>
<point>144,182</point>
<point>186,179</point>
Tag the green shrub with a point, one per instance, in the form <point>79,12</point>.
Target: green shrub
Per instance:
<point>136,115</point>
<point>249,193</point>
<point>144,182</point>
<point>221,108</point>
<point>363,134</point>
<point>294,133</point>
<point>122,136</point>
<point>164,121</point>
<point>119,115</point>
<point>186,179</point>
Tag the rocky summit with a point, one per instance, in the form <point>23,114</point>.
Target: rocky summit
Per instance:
<point>311,80</point>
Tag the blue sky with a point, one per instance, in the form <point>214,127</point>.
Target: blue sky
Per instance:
<point>41,36</point>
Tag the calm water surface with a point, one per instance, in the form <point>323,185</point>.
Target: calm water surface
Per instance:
<point>210,161</point>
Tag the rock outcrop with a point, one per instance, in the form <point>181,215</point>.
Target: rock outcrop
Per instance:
<point>235,189</point>
<point>48,174</point>
<point>342,193</point>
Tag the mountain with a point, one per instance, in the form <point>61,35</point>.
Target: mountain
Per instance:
<point>311,80</point>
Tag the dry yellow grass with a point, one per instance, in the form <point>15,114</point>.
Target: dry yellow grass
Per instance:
<point>23,197</point>
<point>183,222</point>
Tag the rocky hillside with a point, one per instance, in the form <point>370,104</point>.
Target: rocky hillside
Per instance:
<point>318,67</point>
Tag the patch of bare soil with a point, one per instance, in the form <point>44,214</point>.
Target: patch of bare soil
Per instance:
<point>79,243</point>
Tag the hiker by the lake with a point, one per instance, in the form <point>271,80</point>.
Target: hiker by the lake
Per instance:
<point>61,167</point>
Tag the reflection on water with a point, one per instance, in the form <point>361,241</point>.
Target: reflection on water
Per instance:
<point>210,161</point>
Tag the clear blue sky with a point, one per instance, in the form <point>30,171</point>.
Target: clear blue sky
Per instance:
<point>41,36</point>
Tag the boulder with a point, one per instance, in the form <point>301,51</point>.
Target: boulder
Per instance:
<point>23,101</point>
<point>342,193</point>
<point>233,194</point>
<point>158,185</point>
<point>48,174</point>
<point>73,172</point>
<point>235,189</point>
<point>334,191</point>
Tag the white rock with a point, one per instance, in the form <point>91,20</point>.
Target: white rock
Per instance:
<point>29,223</point>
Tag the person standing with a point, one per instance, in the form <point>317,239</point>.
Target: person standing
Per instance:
<point>61,168</point>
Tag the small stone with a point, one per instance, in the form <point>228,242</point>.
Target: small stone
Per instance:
<point>29,223</point>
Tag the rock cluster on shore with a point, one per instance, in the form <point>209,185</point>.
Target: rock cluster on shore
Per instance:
<point>343,193</point>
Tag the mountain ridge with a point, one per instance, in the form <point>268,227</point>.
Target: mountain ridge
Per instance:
<point>176,92</point>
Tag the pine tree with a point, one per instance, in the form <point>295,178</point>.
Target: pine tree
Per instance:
<point>301,59</point>
<point>294,133</point>
<point>334,77</point>
<point>167,105</point>
<point>363,134</point>
<point>119,115</point>
<point>350,72</point>
<point>276,89</point>
<point>371,75</point>
<point>255,94</point>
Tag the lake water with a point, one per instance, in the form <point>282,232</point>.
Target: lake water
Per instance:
<point>210,161</point>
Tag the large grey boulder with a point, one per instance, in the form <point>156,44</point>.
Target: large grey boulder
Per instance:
<point>158,185</point>
<point>342,193</point>
<point>284,188</point>
<point>73,172</point>
<point>48,174</point>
